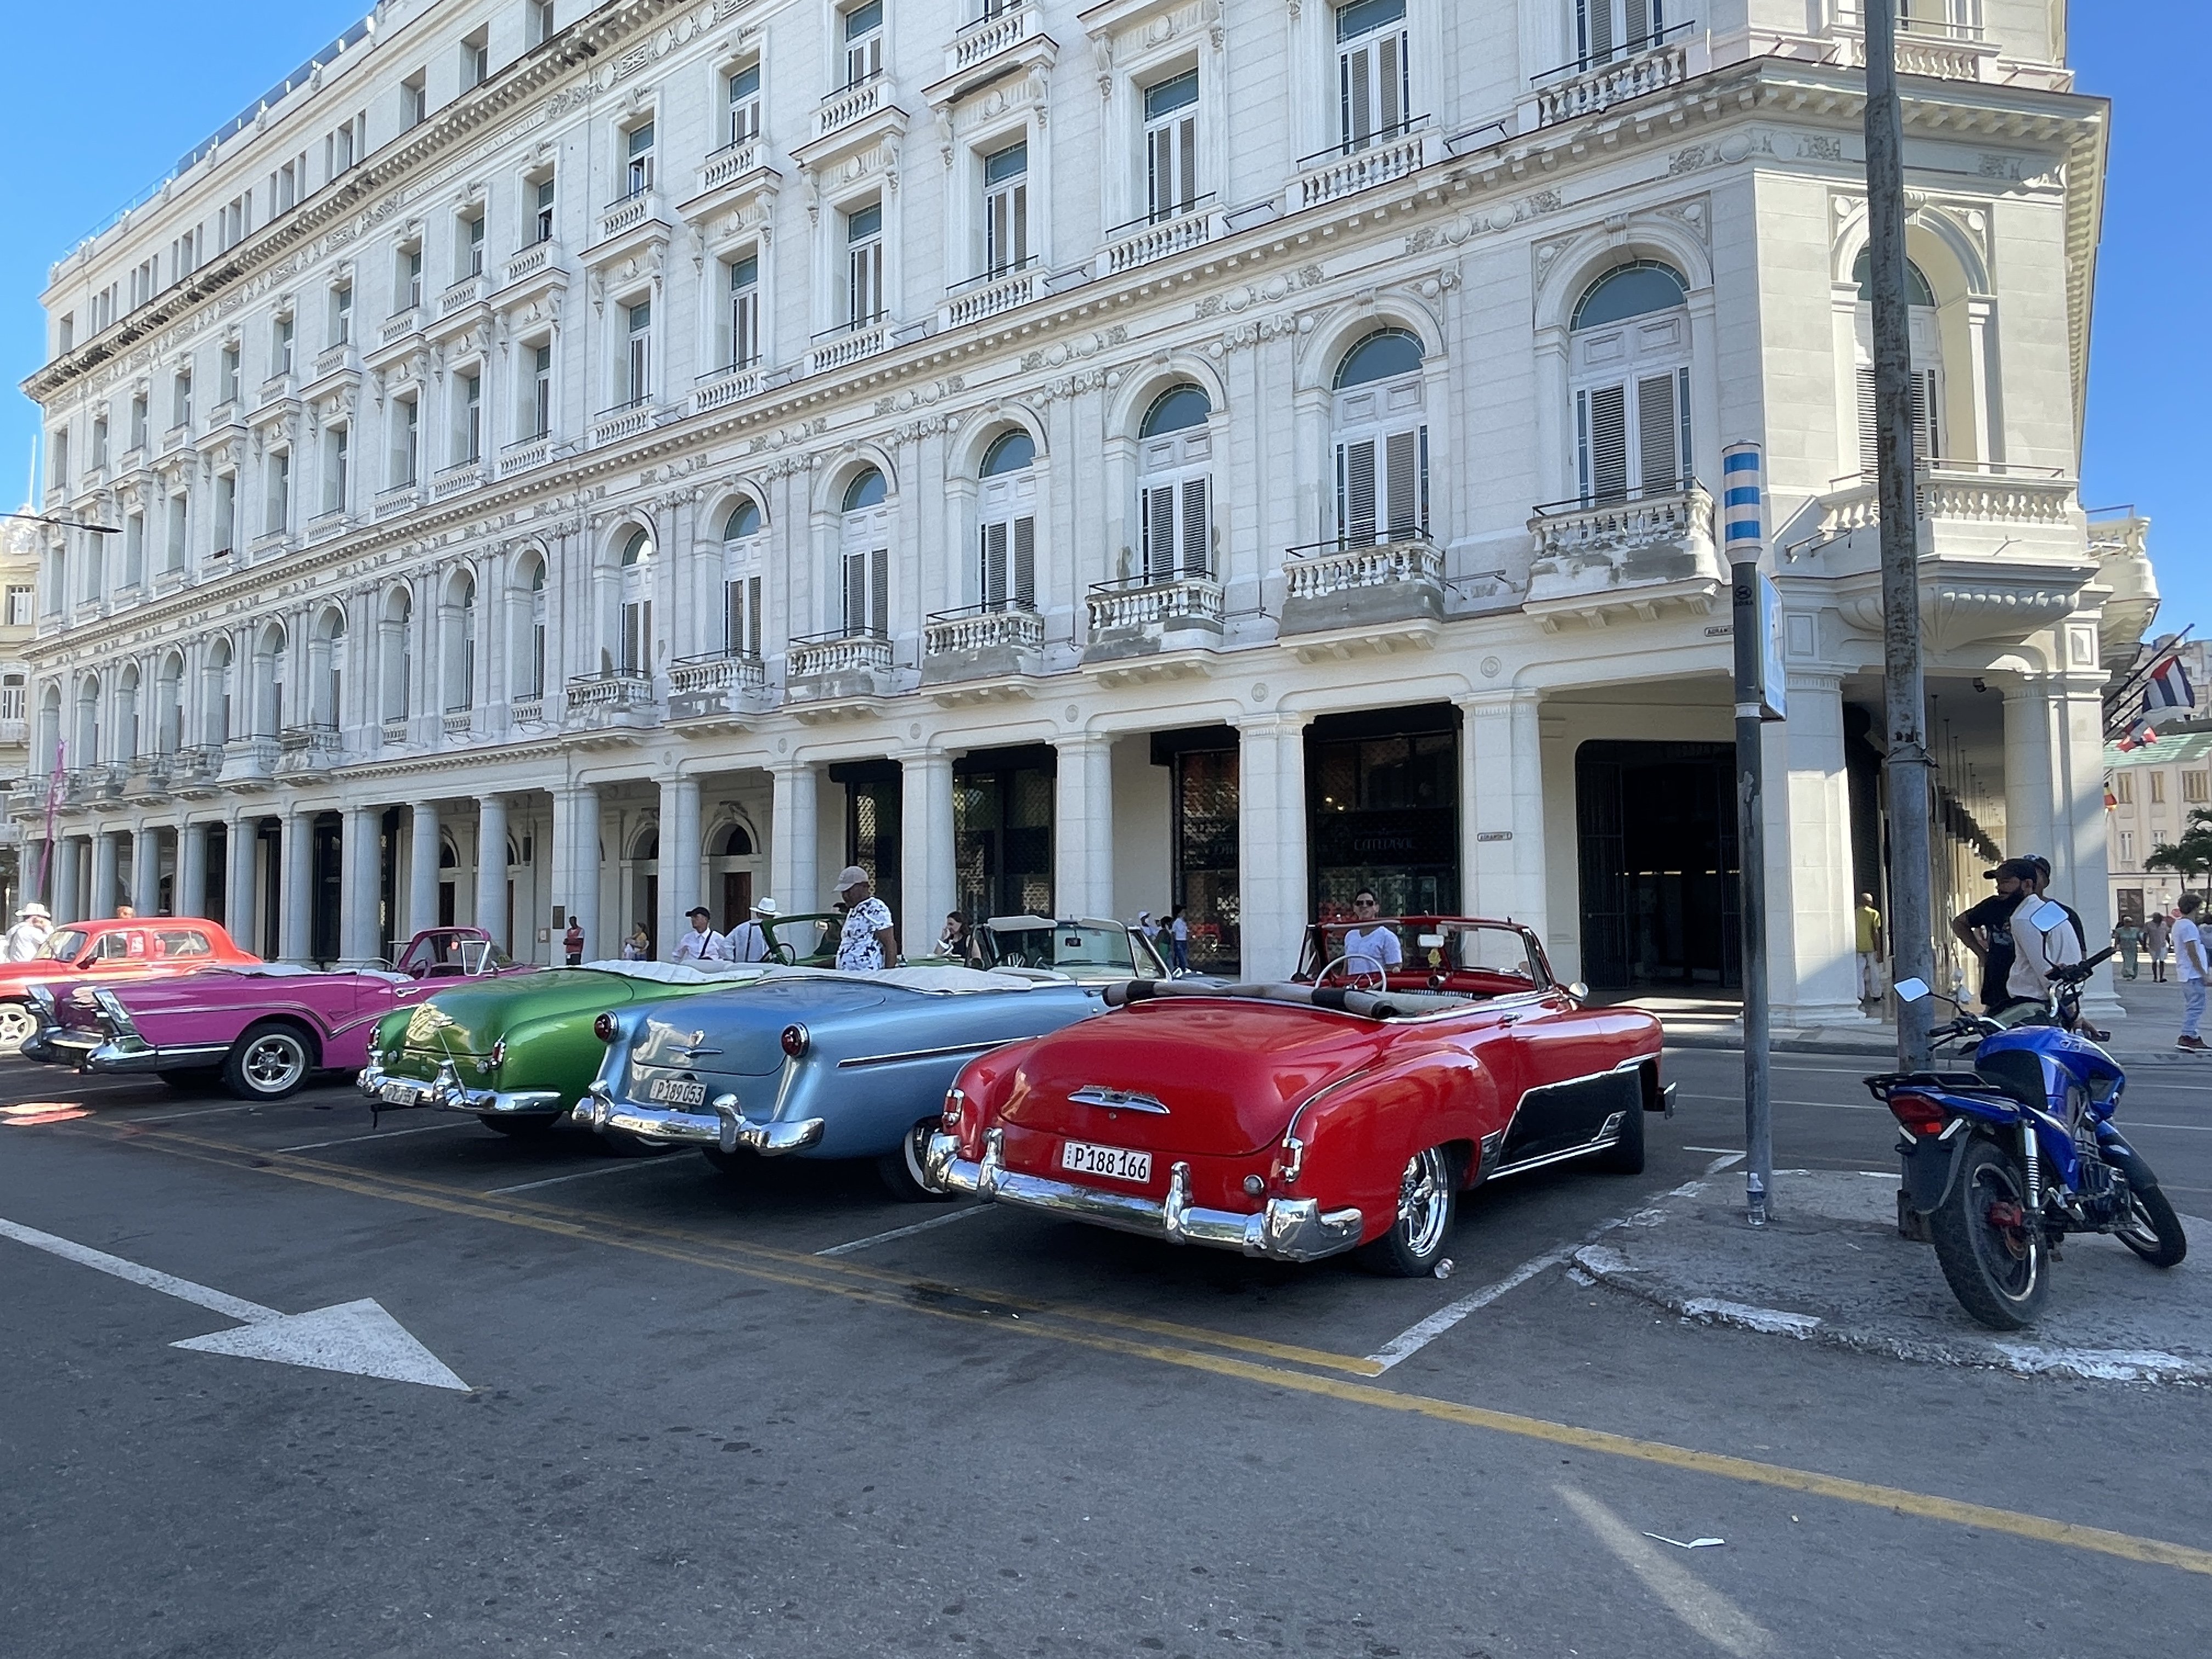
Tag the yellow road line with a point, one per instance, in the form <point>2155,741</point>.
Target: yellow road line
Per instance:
<point>1899,1500</point>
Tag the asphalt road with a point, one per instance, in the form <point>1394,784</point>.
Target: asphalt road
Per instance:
<point>688,1431</point>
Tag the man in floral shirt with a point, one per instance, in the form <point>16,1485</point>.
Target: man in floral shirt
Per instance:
<point>869,938</point>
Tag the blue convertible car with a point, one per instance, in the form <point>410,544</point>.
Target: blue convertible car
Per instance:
<point>818,1064</point>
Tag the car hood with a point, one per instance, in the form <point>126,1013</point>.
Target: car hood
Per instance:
<point>1205,1078</point>
<point>469,1019</point>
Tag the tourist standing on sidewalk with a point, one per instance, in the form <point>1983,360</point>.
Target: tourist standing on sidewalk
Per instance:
<point>1870,951</point>
<point>2189,963</point>
<point>1179,941</point>
<point>2128,941</point>
<point>2158,932</point>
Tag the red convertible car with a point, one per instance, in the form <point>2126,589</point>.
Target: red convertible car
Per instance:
<point>1298,1121</point>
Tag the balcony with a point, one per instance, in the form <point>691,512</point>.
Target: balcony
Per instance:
<point>527,710</point>
<point>986,296</point>
<point>458,726</point>
<point>325,524</point>
<point>830,675</point>
<point>524,453</point>
<point>278,388</point>
<point>848,106</point>
<point>619,218</point>
<point>535,260</point>
<point>147,778</point>
<point>730,163</point>
<point>715,687</point>
<point>1628,558</point>
<point>982,653</point>
<point>2000,550</point>
<point>1941,51</point>
<point>839,348</point>
<point>398,325</point>
<point>1330,175</point>
<point>1153,626</point>
<point>616,702</point>
<point>308,752</point>
<point>469,291</point>
<point>1143,241</point>
<point>461,475</point>
<point>719,388</point>
<point>399,498</point>
<point>1343,600</point>
<point>269,544</point>
<point>105,785</point>
<point>394,732</point>
<point>1576,91</point>
<point>336,360</point>
<point>197,772</point>
<point>250,762</point>
<point>176,438</point>
<point>623,421</point>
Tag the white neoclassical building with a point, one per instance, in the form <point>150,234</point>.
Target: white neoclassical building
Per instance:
<point>580,460</point>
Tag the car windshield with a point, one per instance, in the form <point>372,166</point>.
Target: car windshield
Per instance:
<point>442,955</point>
<point>63,945</point>
<point>1472,958</point>
<point>1067,947</point>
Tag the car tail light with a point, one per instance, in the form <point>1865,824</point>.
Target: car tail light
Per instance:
<point>499,1052</point>
<point>1918,1114</point>
<point>1290,1160</point>
<point>955,1103</point>
<point>794,1040</point>
<point>604,1028</point>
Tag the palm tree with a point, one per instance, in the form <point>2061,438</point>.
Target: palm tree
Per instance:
<point>2192,854</point>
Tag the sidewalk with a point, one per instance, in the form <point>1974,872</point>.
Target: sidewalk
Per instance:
<point>2143,1032</point>
<point>1830,1267</point>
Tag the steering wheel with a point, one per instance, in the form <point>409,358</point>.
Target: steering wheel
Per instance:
<point>1356,980</point>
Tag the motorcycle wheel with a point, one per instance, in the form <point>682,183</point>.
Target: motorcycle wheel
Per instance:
<point>1999,1271</point>
<point>2153,1231</point>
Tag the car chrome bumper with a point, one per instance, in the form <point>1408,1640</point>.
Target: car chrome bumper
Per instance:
<point>1285,1230</point>
<point>722,1125</point>
<point>444,1093</point>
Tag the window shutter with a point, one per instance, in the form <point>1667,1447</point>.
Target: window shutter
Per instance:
<point>1925,447</point>
<point>1605,440</point>
<point>1870,450</point>
<point>1402,470</point>
<point>1356,492</point>
<point>1358,112</point>
<point>1596,29</point>
<point>1658,469</point>
<point>879,592</point>
<point>1639,15</point>
<point>994,564</point>
<point>856,593</point>
<point>1025,563</point>
<point>1159,534</point>
<point>1197,551</point>
<point>753,616</point>
<point>1186,132</point>
<point>734,619</point>
<point>1390,75</point>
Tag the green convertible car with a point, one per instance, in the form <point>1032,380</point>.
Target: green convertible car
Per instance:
<point>517,1063</point>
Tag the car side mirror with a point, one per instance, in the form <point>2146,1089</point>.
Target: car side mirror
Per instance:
<point>1431,941</point>
<point>1579,991</point>
<point>2048,916</point>
<point>1916,990</point>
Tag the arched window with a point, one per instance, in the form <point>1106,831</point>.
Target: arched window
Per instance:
<point>397,652</point>
<point>169,704</point>
<point>126,713</point>
<point>526,628</point>
<point>864,555</point>
<point>741,580</point>
<point>49,728</point>
<point>1927,338</point>
<point>220,679</point>
<point>1629,369</point>
<point>1006,529</point>
<point>461,659</point>
<point>637,603</point>
<point>327,686</point>
<point>738,844</point>
<point>87,750</point>
<point>1382,442</point>
<point>268,666</point>
<point>1175,499</point>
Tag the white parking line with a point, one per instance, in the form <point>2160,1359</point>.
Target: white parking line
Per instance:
<point>580,1174</point>
<point>381,1134</point>
<point>1689,1598</point>
<point>905,1232</point>
<point>204,1111</point>
<point>1414,1338</point>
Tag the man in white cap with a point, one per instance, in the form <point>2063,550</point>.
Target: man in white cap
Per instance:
<point>702,944</point>
<point>869,938</point>
<point>28,936</point>
<point>748,940</point>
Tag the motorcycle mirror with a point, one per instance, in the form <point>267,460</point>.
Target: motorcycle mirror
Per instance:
<point>1911,990</point>
<point>2048,915</point>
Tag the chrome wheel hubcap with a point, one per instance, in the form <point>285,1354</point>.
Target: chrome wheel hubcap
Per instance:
<point>15,1024</point>
<point>273,1063</point>
<point>1424,1201</point>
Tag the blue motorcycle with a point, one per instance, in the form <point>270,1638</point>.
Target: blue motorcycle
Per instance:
<point>2002,1162</point>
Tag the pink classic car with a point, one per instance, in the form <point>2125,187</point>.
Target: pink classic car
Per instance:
<point>264,1026</point>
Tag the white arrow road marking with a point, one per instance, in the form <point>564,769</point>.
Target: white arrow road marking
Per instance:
<point>356,1338</point>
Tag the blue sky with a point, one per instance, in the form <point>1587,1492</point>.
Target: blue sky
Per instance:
<point>176,73</point>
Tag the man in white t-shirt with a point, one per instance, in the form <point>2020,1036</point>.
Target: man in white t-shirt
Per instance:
<point>1369,945</point>
<point>2035,953</point>
<point>2189,961</point>
<point>702,944</point>
<point>748,940</point>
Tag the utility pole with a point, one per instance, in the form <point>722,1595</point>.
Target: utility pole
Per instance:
<point>1759,699</point>
<point>1911,929</point>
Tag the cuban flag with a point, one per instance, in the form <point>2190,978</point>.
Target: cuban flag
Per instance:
<point>2169,686</point>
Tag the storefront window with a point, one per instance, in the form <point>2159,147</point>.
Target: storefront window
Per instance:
<point>1205,854</point>
<point>1384,808</point>
<point>1002,813</point>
